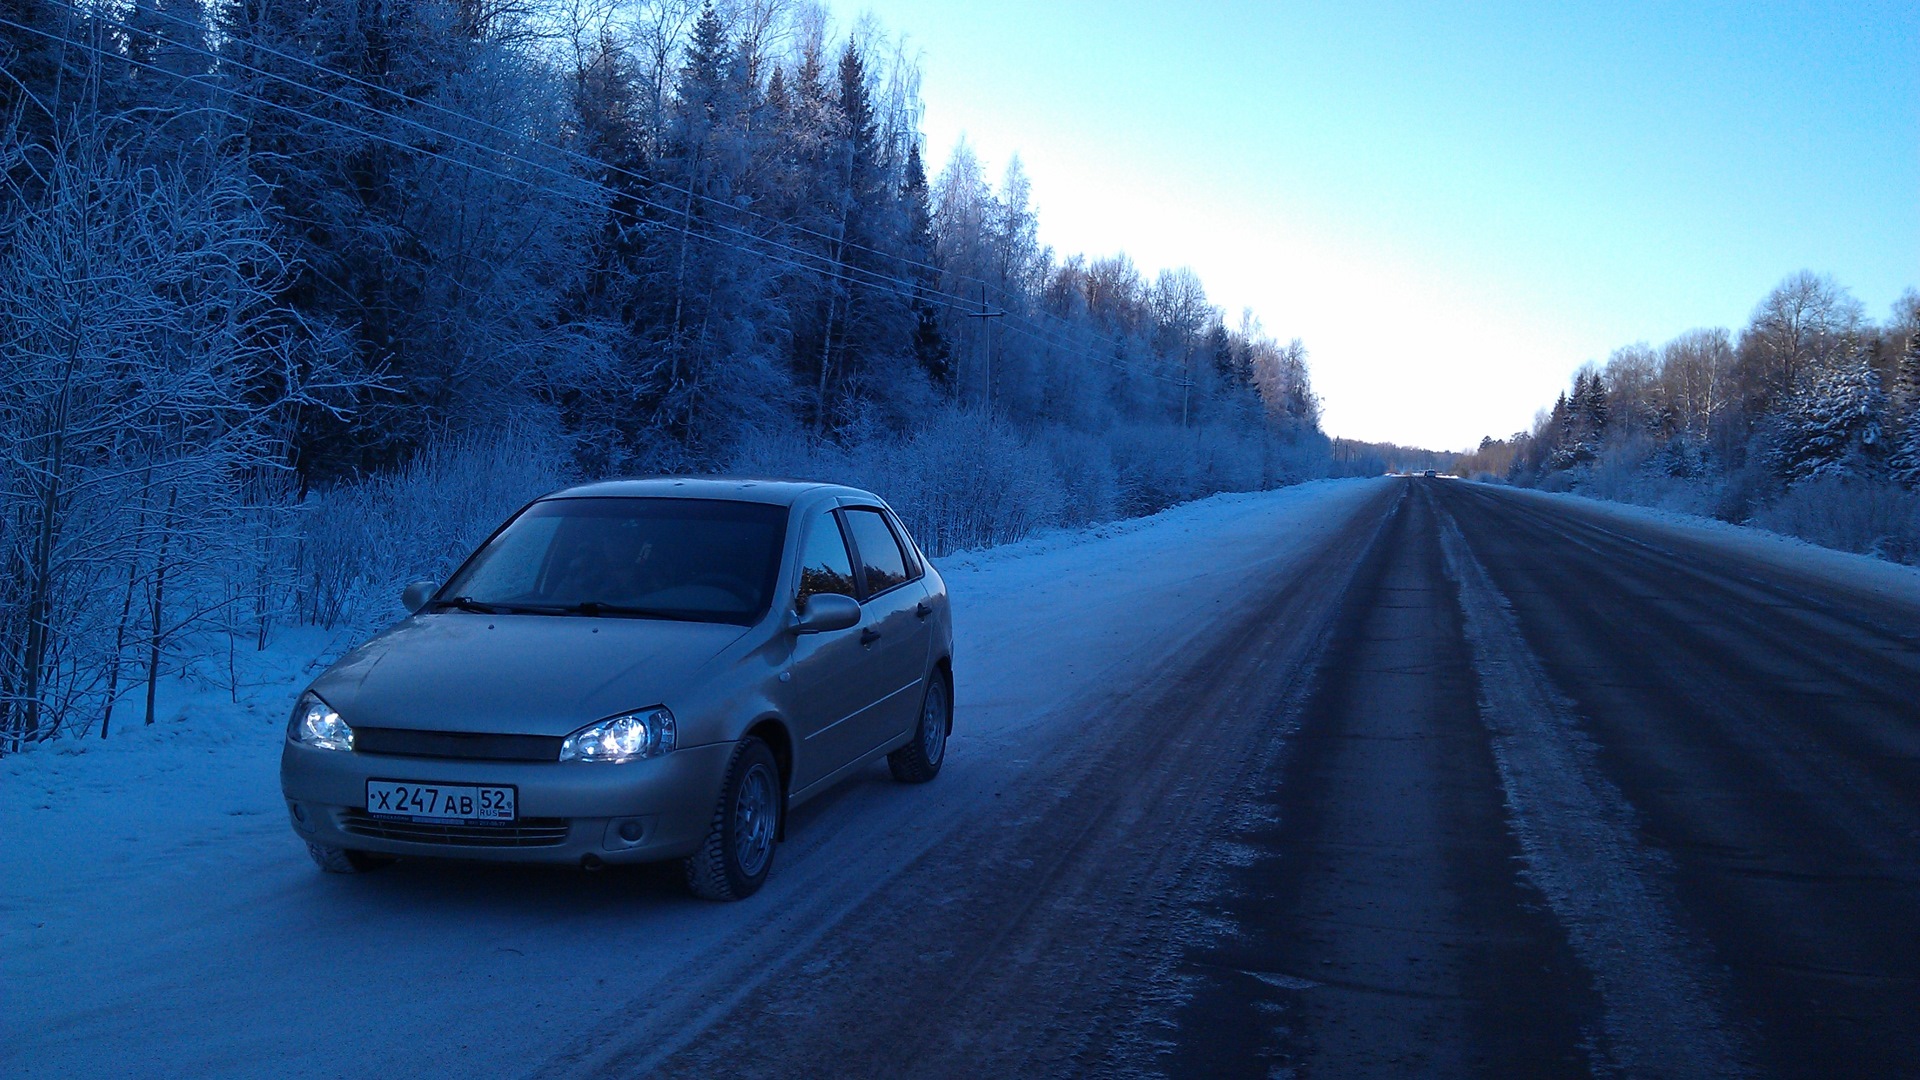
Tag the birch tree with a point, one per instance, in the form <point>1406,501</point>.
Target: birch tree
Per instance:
<point>149,371</point>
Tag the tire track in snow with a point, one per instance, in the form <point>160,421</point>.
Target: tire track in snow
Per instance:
<point>1663,1015</point>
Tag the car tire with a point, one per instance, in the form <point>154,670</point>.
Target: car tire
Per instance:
<point>342,861</point>
<point>737,855</point>
<point>919,761</point>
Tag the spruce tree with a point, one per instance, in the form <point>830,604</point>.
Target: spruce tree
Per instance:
<point>1905,410</point>
<point>929,342</point>
<point>1833,426</point>
<point>1597,410</point>
<point>1559,431</point>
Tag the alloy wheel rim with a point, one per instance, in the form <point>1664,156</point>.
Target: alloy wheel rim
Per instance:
<point>753,821</point>
<point>933,725</point>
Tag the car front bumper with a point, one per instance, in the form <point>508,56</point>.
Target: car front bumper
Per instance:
<point>566,812</point>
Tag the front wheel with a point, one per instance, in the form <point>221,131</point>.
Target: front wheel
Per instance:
<point>738,853</point>
<point>919,760</point>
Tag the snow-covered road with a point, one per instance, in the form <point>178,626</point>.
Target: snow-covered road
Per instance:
<point>1368,778</point>
<point>159,919</point>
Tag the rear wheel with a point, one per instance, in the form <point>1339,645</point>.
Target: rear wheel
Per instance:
<point>738,853</point>
<point>919,760</point>
<point>342,861</point>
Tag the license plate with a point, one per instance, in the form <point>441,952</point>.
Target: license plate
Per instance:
<point>439,802</point>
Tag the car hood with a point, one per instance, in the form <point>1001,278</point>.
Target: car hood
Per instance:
<point>517,674</point>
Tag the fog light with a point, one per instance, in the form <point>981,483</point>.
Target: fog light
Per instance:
<point>626,833</point>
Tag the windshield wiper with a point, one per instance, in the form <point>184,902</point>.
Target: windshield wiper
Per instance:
<point>465,603</point>
<point>594,609</point>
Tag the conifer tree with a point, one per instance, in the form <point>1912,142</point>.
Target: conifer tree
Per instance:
<point>1559,429</point>
<point>1833,426</point>
<point>930,347</point>
<point>1905,409</point>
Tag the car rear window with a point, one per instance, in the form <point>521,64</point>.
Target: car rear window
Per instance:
<point>879,550</point>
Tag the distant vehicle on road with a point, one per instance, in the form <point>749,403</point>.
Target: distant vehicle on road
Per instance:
<point>632,671</point>
<point>1429,473</point>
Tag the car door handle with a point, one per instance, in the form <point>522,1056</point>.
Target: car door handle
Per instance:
<point>921,609</point>
<point>869,636</point>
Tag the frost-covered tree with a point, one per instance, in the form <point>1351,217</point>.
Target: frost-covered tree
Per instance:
<point>436,238</point>
<point>151,375</point>
<point>1591,410</point>
<point>1833,425</point>
<point>1180,312</point>
<point>1807,320</point>
<point>1905,408</point>
<point>930,346</point>
<point>1696,381</point>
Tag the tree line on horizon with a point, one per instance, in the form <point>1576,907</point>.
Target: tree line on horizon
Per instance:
<point>1806,421</point>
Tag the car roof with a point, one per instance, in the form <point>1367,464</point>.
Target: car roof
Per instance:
<point>780,492</point>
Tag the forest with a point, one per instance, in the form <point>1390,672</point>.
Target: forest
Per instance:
<point>1805,423</point>
<point>302,297</point>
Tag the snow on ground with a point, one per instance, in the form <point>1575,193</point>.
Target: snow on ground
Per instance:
<point>159,918</point>
<point>1875,577</point>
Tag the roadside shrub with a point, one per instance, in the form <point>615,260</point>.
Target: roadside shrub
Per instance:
<point>1158,466</point>
<point>966,480</point>
<point>359,544</point>
<point>1090,486</point>
<point>963,481</point>
<point>1862,516</point>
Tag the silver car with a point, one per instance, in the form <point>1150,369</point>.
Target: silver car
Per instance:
<point>632,671</point>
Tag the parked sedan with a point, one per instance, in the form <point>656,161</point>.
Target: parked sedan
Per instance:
<point>632,671</point>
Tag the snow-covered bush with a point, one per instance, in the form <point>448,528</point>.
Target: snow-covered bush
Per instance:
<point>1090,487</point>
<point>965,480</point>
<point>359,544</point>
<point>1863,516</point>
<point>1159,466</point>
<point>962,481</point>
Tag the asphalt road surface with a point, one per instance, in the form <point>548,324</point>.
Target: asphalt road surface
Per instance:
<point>1490,787</point>
<point>1569,800</point>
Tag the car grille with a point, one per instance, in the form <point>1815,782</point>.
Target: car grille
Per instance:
<point>402,742</point>
<point>525,833</point>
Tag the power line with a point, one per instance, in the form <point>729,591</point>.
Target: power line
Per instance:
<point>834,271</point>
<point>473,166</point>
<point>314,65</point>
<point>842,242</point>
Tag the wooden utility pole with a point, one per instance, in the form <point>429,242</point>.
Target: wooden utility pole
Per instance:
<point>986,353</point>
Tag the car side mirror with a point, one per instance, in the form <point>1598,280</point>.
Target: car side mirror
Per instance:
<point>417,594</point>
<point>822,612</point>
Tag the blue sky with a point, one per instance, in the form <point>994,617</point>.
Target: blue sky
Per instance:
<point>1454,205</point>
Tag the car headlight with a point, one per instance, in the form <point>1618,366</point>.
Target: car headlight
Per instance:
<point>315,724</point>
<point>628,737</point>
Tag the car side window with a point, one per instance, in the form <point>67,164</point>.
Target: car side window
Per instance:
<point>914,569</point>
<point>879,550</point>
<point>824,565</point>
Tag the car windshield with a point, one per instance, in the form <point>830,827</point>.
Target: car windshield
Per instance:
<point>692,559</point>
